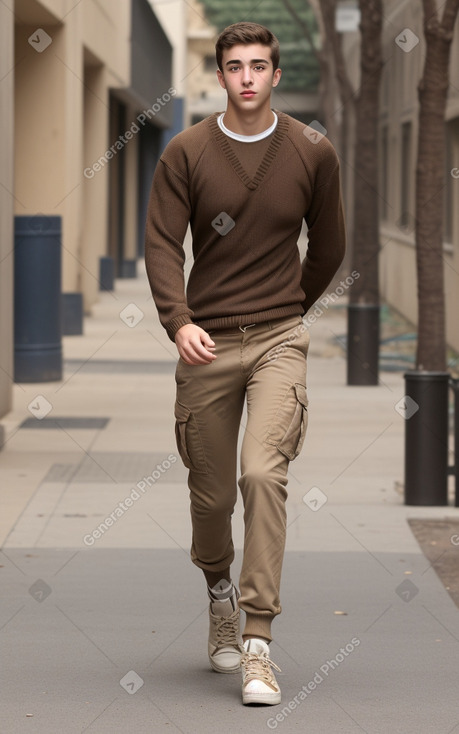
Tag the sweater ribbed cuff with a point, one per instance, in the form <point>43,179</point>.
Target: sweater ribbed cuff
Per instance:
<point>258,625</point>
<point>174,325</point>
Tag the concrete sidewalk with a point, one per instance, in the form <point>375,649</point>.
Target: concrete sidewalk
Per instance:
<point>107,631</point>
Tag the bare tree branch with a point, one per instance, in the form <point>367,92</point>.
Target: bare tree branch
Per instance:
<point>430,9</point>
<point>449,15</point>
<point>316,9</point>
<point>304,27</point>
<point>328,9</point>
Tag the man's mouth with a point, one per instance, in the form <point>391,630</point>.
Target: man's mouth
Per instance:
<point>248,94</point>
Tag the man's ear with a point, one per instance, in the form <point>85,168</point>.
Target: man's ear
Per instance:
<point>221,79</point>
<point>276,77</point>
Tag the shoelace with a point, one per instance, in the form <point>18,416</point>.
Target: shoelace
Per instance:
<point>259,667</point>
<point>226,630</point>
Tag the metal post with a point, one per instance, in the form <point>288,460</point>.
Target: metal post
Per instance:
<point>454,381</point>
<point>128,269</point>
<point>37,299</point>
<point>72,314</point>
<point>363,344</point>
<point>426,438</point>
<point>106,273</point>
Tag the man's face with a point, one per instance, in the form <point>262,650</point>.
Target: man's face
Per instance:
<point>247,75</point>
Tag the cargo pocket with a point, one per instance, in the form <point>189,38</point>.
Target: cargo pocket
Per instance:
<point>188,438</point>
<point>288,429</point>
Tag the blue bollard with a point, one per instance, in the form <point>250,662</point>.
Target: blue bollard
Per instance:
<point>37,299</point>
<point>128,269</point>
<point>72,314</point>
<point>106,273</point>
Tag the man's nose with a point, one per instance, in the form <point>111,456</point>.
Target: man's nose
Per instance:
<point>247,75</point>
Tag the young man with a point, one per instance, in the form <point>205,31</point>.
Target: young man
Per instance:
<point>244,179</point>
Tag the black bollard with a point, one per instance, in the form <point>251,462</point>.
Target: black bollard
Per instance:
<point>106,273</point>
<point>37,299</point>
<point>72,314</point>
<point>426,438</point>
<point>454,382</point>
<point>363,344</point>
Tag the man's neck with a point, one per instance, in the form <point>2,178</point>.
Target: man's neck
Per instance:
<point>249,123</point>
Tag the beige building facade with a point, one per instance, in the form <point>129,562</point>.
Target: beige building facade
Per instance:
<point>86,97</point>
<point>404,53</point>
<point>6,207</point>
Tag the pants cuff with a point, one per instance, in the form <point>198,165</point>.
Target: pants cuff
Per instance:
<point>258,625</point>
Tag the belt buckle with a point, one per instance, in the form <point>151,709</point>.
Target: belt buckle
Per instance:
<point>243,328</point>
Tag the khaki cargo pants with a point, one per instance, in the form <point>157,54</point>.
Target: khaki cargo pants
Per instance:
<point>266,364</point>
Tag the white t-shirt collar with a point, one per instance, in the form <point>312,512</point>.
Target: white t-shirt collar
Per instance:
<point>247,138</point>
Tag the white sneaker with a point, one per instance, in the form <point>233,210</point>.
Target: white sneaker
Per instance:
<point>259,684</point>
<point>225,641</point>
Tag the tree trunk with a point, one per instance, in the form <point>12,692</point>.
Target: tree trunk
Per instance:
<point>430,172</point>
<point>328,92</point>
<point>324,56</point>
<point>343,112</point>
<point>365,290</point>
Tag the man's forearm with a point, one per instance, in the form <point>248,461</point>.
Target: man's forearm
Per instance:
<point>167,220</point>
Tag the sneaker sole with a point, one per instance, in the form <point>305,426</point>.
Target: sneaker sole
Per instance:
<point>269,699</point>
<point>218,669</point>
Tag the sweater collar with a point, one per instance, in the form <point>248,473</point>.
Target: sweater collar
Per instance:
<point>225,144</point>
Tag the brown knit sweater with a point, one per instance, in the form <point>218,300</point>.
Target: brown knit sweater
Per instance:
<point>245,203</point>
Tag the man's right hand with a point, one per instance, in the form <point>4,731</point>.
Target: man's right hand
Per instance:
<point>194,345</point>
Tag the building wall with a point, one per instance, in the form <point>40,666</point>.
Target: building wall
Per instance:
<point>52,145</point>
<point>6,209</point>
<point>398,148</point>
<point>173,18</point>
<point>204,94</point>
<point>66,69</point>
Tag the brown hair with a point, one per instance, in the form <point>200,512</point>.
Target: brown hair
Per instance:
<point>247,33</point>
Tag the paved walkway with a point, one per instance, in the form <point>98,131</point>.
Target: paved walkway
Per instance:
<point>106,631</point>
